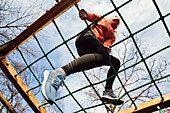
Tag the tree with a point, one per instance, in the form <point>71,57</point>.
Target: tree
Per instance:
<point>14,18</point>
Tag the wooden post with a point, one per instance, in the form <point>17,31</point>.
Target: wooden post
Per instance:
<point>20,86</point>
<point>38,25</point>
<point>10,46</point>
<point>7,104</point>
<point>150,106</point>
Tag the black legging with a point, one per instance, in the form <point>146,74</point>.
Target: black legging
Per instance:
<point>92,54</point>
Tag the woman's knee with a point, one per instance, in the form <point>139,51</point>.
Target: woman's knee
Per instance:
<point>118,62</point>
<point>106,58</point>
<point>115,61</point>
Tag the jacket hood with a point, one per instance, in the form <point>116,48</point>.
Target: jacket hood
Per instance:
<point>113,24</point>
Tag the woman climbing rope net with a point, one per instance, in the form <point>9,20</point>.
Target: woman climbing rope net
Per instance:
<point>93,53</point>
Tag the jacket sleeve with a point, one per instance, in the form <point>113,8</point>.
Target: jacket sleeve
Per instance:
<point>109,42</point>
<point>92,17</point>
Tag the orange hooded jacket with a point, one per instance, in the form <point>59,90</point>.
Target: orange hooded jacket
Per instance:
<point>103,30</point>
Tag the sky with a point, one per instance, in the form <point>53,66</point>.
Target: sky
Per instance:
<point>137,14</point>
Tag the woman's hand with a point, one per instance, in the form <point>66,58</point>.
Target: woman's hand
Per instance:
<point>82,14</point>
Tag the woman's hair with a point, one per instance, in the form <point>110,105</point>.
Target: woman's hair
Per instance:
<point>115,18</point>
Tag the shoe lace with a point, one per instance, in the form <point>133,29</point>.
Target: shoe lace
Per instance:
<point>110,93</point>
<point>113,95</point>
<point>58,81</point>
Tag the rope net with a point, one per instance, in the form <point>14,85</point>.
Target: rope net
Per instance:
<point>66,42</point>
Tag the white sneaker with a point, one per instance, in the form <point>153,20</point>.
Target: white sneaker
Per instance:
<point>110,97</point>
<point>52,81</point>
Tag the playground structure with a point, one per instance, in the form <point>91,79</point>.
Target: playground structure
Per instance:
<point>163,101</point>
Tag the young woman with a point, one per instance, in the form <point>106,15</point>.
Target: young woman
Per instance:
<point>93,53</point>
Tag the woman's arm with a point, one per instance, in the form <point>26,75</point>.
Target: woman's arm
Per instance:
<point>89,16</point>
<point>107,43</point>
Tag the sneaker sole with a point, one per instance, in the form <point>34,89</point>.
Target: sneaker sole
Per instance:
<point>112,101</point>
<point>43,86</point>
